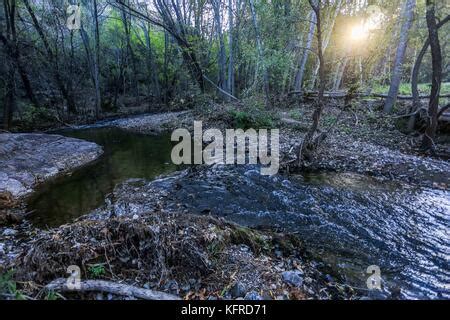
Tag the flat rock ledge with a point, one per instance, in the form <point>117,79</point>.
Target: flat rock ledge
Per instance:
<point>29,159</point>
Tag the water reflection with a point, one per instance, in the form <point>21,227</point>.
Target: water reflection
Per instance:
<point>127,155</point>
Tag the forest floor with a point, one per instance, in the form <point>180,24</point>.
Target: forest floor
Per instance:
<point>200,257</point>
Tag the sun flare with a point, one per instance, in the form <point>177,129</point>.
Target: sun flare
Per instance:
<point>359,32</point>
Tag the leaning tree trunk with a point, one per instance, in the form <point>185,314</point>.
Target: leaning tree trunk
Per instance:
<point>302,65</point>
<point>407,15</point>
<point>415,77</point>
<point>436,57</point>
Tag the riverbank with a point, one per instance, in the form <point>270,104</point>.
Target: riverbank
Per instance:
<point>362,140</point>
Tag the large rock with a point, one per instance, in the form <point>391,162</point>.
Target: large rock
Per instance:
<point>28,159</point>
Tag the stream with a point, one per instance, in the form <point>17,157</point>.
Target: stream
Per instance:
<point>347,220</point>
<point>126,155</point>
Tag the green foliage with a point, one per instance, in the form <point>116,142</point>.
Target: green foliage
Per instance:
<point>34,117</point>
<point>97,270</point>
<point>248,119</point>
<point>51,295</point>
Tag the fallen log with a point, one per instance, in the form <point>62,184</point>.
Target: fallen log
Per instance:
<point>375,95</point>
<point>60,285</point>
<point>343,94</point>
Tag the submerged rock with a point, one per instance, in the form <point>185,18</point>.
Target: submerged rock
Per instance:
<point>27,159</point>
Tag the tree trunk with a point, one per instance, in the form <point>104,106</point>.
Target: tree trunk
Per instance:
<point>53,59</point>
<point>96,63</point>
<point>396,78</point>
<point>309,143</point>
<point>151,65</point>
<point>130,52</point>
<point>326,41</point>
<point>261,62</point>
<point>302,65</point>
<point>221,55</point>
<point>436,57</point>
<point>415,77</point>
<point>10,99</point>
<point>9,104</point>
<point>340,74</point>
<point>230,83</point>
<point>13,52</point>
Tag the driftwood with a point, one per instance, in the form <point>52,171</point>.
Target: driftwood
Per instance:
<point>120,289</point>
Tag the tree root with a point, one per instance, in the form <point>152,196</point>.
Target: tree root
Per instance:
<point>110,287</point>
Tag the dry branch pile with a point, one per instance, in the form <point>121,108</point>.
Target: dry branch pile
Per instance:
<point>161,249</point>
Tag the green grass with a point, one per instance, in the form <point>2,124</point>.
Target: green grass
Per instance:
<point>405,88</point>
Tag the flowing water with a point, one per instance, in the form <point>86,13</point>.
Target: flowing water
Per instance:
<point>349,221</point>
